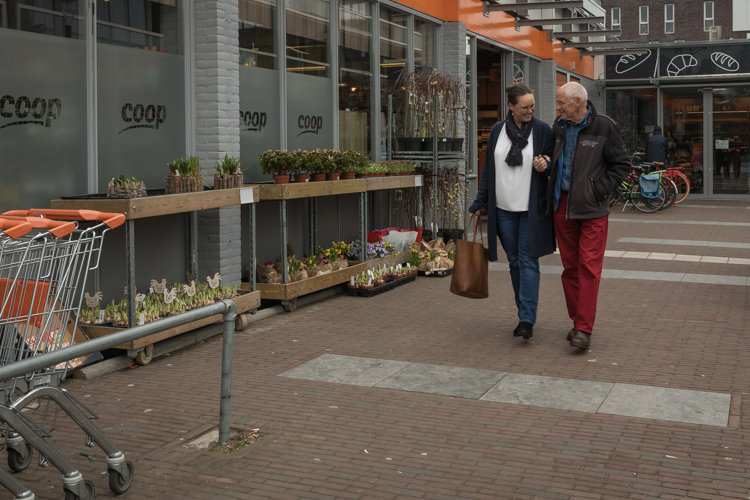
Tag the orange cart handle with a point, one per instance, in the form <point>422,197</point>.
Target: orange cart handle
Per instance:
<point>57,227</point>
<point>14,228</point>
<point>110,219</point>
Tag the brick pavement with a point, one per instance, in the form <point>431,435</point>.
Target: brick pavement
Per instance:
<point>330,441</point>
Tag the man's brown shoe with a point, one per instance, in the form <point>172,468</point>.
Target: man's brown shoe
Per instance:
<point>581,339</point>
<point>571,333</point>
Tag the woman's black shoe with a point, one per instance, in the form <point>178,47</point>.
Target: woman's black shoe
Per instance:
<point>525,330</point>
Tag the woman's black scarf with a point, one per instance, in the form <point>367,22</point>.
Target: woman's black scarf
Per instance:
<point>518,138</point>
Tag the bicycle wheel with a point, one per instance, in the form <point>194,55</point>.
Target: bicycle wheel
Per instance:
<point>682,182</point>
<point>643,203</point>
<point>670,192</point>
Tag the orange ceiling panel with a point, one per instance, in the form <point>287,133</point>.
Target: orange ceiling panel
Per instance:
<point>502,27</point>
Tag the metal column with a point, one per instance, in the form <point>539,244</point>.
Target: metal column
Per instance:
<point>284,236</point>
<point>312,220</point>
<point>363,226</point>
<point>192,243</point>
<point>130,269</point>
<point>251,232</point>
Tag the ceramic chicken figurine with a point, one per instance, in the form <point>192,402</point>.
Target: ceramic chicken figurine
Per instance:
<point>138,299</point>
<point>169,295</point>
<point>214,282</point>
<point>93,301</point>
<point>125,290</point>
<point>159,287</point>
<point>189,290</point>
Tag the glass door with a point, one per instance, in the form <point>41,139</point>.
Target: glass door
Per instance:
<point>683,128</point>
<point>731,133</point>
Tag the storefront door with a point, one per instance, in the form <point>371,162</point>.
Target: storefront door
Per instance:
<point>731,133</point>
<point>683,128</point>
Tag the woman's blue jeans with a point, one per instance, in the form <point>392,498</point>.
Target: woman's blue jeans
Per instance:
<point>513,229</point>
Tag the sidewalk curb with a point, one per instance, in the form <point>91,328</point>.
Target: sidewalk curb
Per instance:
<point>197,336</point>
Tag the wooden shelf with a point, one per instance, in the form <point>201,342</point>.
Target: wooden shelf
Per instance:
<point>294,190</point>
<point>150,206</point>
<point>247,301</point>
<point>279,291</point>
<point>394,182</point>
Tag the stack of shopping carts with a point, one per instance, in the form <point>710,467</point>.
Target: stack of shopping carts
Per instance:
<point>45,258</point>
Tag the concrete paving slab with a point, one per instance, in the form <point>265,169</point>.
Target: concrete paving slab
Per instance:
<point>680,405</point>
<point>662,256</point>
<point>445,380</point>
<point>635,255</point>
<point>714,260</point>
<point>647,241</point>
<point>715,279</point>
<point>728,244</point>
<point>549,392</point>
<point>612,273</point>
<point>687,258</point>
<point>613,253</point>
<point>652,275</point>
<point>734,260</point>
<point>685,243</point>
<point>350,370</point>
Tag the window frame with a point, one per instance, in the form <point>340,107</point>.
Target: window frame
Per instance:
<point>706,18</point>
<point>641,22</point>
<point>667,21</point>
<point>619,18</point>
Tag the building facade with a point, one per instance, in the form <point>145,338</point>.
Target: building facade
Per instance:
<point>102,88</point>
<point>666,21</point>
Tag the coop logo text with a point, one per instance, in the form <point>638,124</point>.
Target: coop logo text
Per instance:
<point>252,121</point>
<point>27,111</point>
<point>309,124</point>
<point>143,116</point>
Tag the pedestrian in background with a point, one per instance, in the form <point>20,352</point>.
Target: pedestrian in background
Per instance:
<point>590,158</point>
<point>657,147</point>
<point>513,190</point>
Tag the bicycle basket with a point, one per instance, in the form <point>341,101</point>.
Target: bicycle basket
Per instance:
<point>650,185</point>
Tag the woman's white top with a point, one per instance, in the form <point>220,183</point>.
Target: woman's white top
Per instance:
<point>512,184</point>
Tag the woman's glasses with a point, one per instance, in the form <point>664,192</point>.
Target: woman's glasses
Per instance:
<point>526,109</point>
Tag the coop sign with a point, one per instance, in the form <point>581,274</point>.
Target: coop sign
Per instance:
<point>252,121</point>
<point>309,124</point>
<point>28,111</point>
<point>143,116</point>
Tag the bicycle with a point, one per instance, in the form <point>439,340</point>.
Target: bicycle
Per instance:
<point>630,190</point>
<point>677,175</point>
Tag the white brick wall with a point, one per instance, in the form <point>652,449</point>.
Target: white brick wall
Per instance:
<point>217,130</point>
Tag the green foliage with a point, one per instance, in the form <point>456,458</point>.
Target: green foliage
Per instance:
<point>278,162</point>
<point>123,181</point>
<point>228,165</point>
<point>185,166</point>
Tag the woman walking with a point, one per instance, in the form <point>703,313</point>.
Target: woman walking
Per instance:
<point>513,189</point>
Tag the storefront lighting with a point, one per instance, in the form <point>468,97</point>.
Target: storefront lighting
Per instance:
<point>354,89</point>
<point>392,64</point>
<point>307,68</point>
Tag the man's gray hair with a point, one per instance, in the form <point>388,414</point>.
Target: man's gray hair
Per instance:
<point>575,89</point>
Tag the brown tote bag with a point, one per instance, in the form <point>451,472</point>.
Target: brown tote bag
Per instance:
<point>469,278</point>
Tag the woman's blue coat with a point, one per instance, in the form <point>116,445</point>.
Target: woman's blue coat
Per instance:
<point>541,229</point>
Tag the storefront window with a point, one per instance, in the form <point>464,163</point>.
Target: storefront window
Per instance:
<point>42,103</point>
<point>521,69</point>
<point>683,128</point>
<point>425,42</point>
<point>635,112</point>
<point>355,76</point>
<point>141,89</point>
<point>259,85</point>
<point>310,121</point>
<point>393,46</point>
<point>257,40</point>
<point>731,108</point>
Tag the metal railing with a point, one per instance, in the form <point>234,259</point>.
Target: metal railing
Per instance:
<point>226,308</point>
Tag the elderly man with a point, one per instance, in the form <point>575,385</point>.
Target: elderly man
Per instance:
<point>589,160</point>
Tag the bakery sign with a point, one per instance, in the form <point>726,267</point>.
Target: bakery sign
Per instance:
<point>680,62</point>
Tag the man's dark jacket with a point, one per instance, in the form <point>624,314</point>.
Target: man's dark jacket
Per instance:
<point>657,148</point>
<point>541,230</point>
<point>601,162</point>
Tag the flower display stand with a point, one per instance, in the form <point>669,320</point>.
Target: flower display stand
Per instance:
<point>155,206</point>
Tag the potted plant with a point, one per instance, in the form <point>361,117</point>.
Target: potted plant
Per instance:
<point>228,174</point>
<point>349,162</point>
<point>279,164</point>
<point>313,161</point>
<point>184,176</point>
<point>122,187</point>
<point>303,168</point>
<point>329,164</point>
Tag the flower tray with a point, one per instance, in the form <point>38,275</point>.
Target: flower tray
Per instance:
<point>389,285</point>
<point>441,273</point>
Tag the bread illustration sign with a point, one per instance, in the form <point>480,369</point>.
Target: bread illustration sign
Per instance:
<point>628,62</point>
<point>725,62</point>
<point>680,63</point>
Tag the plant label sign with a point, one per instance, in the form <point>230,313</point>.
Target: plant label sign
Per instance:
<point>417,181</point>
<point>246,196</point>
<point>101,316</point>
<point>141,319</point>
<point>351,281</point>
<point>369,281</point>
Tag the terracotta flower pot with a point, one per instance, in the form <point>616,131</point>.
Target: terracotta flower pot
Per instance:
<point>301,177</point>
<point>347,175</point>
<point>334,176</point>
<point>281,179</point>
<point>317,177</point>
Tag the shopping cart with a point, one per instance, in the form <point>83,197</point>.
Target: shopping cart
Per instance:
<point>42,276</point>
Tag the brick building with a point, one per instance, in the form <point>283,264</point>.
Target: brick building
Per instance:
<point>681,20</point>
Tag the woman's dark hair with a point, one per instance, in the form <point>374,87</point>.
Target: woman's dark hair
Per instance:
<point>516,91</point>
